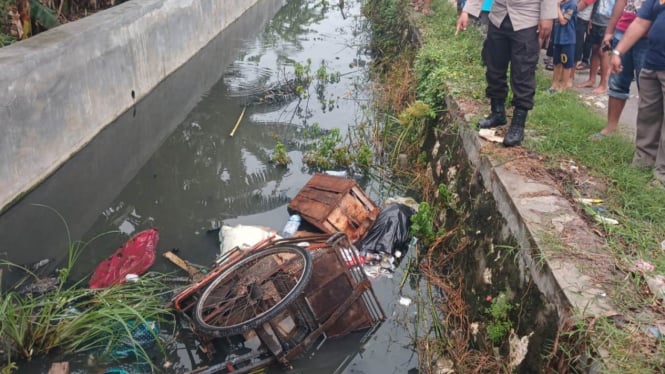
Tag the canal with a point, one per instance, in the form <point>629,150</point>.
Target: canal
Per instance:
<point>171,163</point>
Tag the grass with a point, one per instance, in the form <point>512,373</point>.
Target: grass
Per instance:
<point>558,130</point>
<point>106,323</point>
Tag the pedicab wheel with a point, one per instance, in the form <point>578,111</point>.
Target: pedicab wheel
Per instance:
<point>253,291</point>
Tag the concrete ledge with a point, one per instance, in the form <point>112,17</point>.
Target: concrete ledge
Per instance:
<point>61,88</point>
<point>559,250</point>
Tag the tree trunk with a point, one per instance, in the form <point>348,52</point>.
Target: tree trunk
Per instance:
<point>23,7</point>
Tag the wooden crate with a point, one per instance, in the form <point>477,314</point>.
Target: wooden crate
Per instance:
<point>335,204</point>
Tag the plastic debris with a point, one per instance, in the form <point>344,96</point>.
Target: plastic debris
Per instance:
<point>644,266</point>
<point>135,256</point>
<point>404,301</point>
<point>657,332</point>
<point>390,231</point>
<point>587,201</point>
<point>291,226</point>
<point>337,173</point>
<point>444,366</point>
<point>605,220</point>
<point>143,336</point>
<point>242,236</point>
<point>490,135</point>
<point>408,201</point>
<point>656,285</point>
<point>518,348</point>
<point>383,268</point>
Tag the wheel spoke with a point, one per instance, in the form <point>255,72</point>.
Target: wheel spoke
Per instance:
<point>254,289</point>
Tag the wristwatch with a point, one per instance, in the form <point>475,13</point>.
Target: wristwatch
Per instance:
<point>615,52</point>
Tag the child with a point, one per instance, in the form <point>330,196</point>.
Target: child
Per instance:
<point>564,45</point>
<point>600,18</point>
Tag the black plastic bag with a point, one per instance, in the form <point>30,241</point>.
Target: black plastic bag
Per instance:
<point>390,231</point>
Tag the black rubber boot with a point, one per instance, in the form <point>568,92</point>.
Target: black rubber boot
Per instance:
<point>515,133</point>
<point>496,118</point>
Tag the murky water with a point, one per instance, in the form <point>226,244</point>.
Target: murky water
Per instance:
<point>171,163</point>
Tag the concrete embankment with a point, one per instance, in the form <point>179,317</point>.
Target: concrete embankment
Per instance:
<point>59,89</point>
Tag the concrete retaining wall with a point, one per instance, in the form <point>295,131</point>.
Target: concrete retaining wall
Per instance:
<point>61,88</point>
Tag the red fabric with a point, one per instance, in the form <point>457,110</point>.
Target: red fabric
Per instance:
<point>135,257</point>
<point>625,20</point>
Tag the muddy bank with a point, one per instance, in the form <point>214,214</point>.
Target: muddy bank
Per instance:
<point>501,222</point>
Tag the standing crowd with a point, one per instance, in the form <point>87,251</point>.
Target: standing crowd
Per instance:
<point>620,40</point>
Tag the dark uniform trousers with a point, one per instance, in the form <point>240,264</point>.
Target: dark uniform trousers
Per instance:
<point>521,49</point>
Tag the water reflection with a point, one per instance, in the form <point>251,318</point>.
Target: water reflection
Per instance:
<point>201,177</point>
<point>194,176</point>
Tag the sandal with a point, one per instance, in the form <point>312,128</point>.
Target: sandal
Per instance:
<point>657,184</point>
<point>582,66</point>
<point>597,136</point>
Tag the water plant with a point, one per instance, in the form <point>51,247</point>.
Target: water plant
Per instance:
<point>73,319</point>
<point>499,324</point>
<point>280,156</point>
<point>422,224</point>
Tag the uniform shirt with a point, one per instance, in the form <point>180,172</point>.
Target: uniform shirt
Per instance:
<point>565,34</point>
<point>654,11</point>
<point>523,13</point>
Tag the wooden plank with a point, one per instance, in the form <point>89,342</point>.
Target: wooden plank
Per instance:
<point>339,221</point>
<point>334,204</point>
<point>179,262</point>
<point>358,193</point>
<point>331,183</point>
<point>316,194</point>
<point>351,208</point>
<point>314,210</point>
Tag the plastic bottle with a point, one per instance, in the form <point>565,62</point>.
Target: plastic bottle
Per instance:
<point>291,226</point>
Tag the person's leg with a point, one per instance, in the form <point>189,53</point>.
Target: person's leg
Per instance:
<point>568,64</point>
<point>558,68</point>
<point>523,64</point>
<point>580,31</point>
<point>604,73</point>
<point>619,83</point>
<point>586,53</point>
<point>593,67</point>
<point>496,56</point>
<point>557,77</point>
<point>649,119</point>
<point>549,54</point>
<point>596,37</point>
<point>659,166</point>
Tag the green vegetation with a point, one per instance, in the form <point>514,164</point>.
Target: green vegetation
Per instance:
<point>499,324</point>
<point>280,156</point>
<point>422,224</point>
<point>110,324</point>
<point>12,14</point>
<point>558,130</point>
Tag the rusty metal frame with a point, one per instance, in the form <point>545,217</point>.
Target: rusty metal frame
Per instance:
<point>362,297</point>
